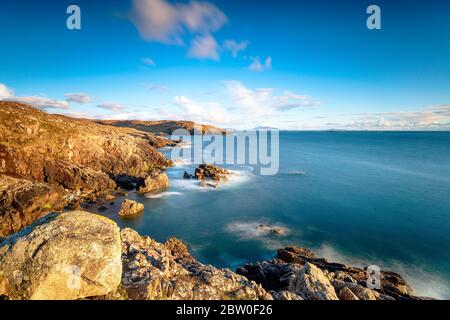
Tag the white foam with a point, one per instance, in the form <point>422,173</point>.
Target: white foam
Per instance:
<point>252,230</point>
<point>424,283</point>
<point>163,195</point>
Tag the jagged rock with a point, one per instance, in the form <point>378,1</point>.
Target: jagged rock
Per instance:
<point>208,172</point>
<point>67,256</point>
<point>130,208</point>
<point>392,284</point>
<point>154,181</point>
<point>285,295</point>
<point>22,202</point>
<point>347,294</point>
<point>75,177</point>
<point>312,284</point>
<point>361,292</point>
<point>167,271</point>
<point>285,274</point>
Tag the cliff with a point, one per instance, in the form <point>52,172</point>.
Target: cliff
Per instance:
<point>44,155</point>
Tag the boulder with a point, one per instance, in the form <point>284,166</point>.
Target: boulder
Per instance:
<point>130,208</point>
<point>312,284</point>
<point>71,255</point>
<point>157,180</point>
<point>347,294</point>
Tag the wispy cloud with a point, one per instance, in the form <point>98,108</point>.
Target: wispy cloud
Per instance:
<point>111,106</point>
<point>258,66</point>
<point>162,21</point>
<point>235,47</point>
<point>204,47</point>
<point>148,61</point>
<point>43,102</point>
<point>5,92</point>
<point>80,98</point>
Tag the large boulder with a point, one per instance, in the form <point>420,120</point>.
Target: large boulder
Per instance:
<point>130,208</point>
<point>156,271</point>
<point>72,255</point>
<point>157,180</point>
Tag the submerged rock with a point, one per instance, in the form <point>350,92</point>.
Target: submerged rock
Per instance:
<point>157,180</point>
<point>130,208</point>
<point>72,255</point>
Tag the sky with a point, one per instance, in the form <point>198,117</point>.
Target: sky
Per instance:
<point>295,65</point>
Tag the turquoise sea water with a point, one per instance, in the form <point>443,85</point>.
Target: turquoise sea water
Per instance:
<point>365,198</point>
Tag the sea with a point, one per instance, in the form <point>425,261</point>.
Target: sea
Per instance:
<point>360,198</point>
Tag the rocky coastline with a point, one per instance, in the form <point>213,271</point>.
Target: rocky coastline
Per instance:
<point>54,169</point>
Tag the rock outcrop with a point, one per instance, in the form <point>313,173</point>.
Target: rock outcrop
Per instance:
<point>68,256</point>
<point>79,155</point>
<point>209,175</point>
<point>156,180</point>
<point>155,271</point>
<point>298,272</point>
<point>130,208</point>
<point>22,202</point>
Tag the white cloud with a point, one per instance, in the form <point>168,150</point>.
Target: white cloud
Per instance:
<point>43,102</point>
<point>5,92</point>
<point>148,61</point>
<point>258,66</point>
<point>159,20</point>
<point>80,98</point>
<point>435,117</point>
<point>266,101</point>
<point>204,47</point>
<point>38,102</point>
<point>110,106</point>
<point>235,47</point>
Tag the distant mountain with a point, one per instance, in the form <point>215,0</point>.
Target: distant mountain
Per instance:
<point>163,126</point>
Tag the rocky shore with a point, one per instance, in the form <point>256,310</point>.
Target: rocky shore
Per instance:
<point>80,255</point>
<point>52,165</point>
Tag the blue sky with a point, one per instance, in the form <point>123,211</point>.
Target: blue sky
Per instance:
<point>288,64</point>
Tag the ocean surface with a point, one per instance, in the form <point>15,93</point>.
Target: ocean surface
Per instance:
<point>364,198</point>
